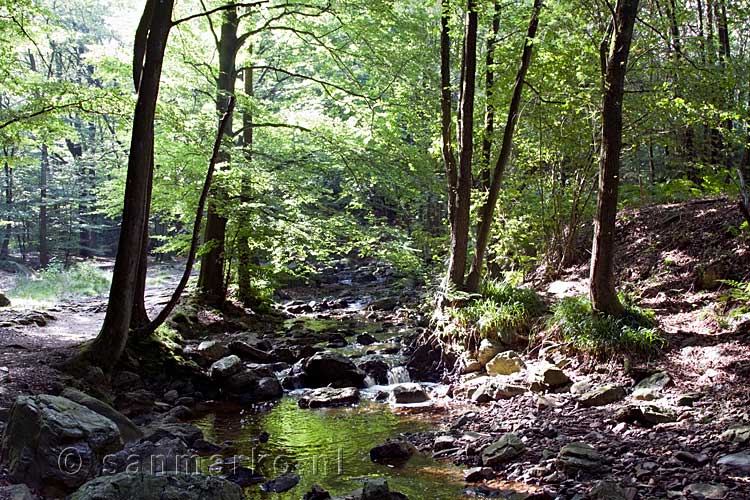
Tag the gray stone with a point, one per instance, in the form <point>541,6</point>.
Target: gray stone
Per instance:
<point>657,381</point>
<point>488,349</point>
<point>392,451</point>
<point>471,365</point>
<point>443,443</point>
<point>211,350</point>
<point>552,377</point>
<point>326,397</point>
<point>128,430</point>
<point>645,394</point>
<point>477,474</point>
<point>505,449</point>
<point>225,367</point>
<point>653,415</point>
<point>187,433</point>
<point>16,492</point>
<point>375,489</point>
<point>4,300</point>
<point>739,435</point>
<point>709,491</point>
<point>250,352</point>
<point>171,396</point>
<point>607,490</point>
<point>55,444</point>
<point>126,486</point>
<point>603,395</point>
<point>578,456</point>
<point>580,387</point>
<point>505,363</point>
<point>166,455</point>
<point>494,391</point>
<point>408,394</point>
<point>740,461</point>
<point>331,369</point>
<point>135,403</point>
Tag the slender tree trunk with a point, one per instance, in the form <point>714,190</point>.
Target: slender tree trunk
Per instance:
<point>489,114</point>
<point>5,249</point>
<point>446,110</point>
<point>151,40</point>
<point>243,250</point>
<point>602,282</point>
<point>487,210</point>
<point>211,277</point>
<point>139,317</point>
<point>461,225</point>
<point>43,242</point>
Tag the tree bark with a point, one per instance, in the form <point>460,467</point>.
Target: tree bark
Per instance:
<point>211,277</point>
<point>5,249</point>
<point>461,224</point>
<point>43,242</point>
<point>244,274</point>
<point>153,32</point>
<point>602,282</point>
<point>487,210</point>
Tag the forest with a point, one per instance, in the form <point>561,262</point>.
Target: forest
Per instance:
<point>374,249</point>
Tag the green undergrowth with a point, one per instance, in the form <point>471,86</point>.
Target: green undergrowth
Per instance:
<point>502,311</point>
<point>58,283</point>
<point>736,299</point>
<point>635,332</point>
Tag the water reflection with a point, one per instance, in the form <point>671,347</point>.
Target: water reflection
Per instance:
<point>326,447</point>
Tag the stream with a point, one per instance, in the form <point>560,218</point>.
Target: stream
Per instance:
<point>330,447</point>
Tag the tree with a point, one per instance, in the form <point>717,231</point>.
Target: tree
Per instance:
<point>601,281</point>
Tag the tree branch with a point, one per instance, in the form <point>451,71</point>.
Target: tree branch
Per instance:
<point>218,9</point>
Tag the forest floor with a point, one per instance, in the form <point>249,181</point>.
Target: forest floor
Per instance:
<point>671,259</point>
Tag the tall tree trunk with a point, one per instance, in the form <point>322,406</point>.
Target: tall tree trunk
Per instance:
<point>5,249</point>
<point>489,113</point>
<point>487,210</point>
<point>211,277</point>
<point>43,242</point>
<point>446,110</point>
<point>602,282</point>
<point>139,317</point>
<point>151,40</point>
<point>243,250</point>
<point>461,224</point>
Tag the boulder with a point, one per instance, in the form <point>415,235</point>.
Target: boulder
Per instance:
<point>574,457</point>
<point>284,482</point>
<point>4,300</point>
<point>135,403</point>
<point>331,369</point>
<point>244,476</point>
<point>607,490</point>
<point>126,486</point>
<point>442,443</point>
<point>376,369</point>
<point>250,352</point>
<point>494,391</point>
<point>603,395</point>
<point>408,394</point>
<point>707,491</point>
<point>55,444</point>
<point>212,351</point>
<point>552,377</point>
<point>739,435</point>
<point>657,381</point>
<point>326,397</point>
<point>488,349</point>
<point>253,386</point>
<point>478,474</point>
<point>316,493</point>
<point>128,429</point>
<point>187,433</point>
<point>645,394</point>
<point>392,452</point>
<point>16,492</point>
<point>739,461</point>
<point>505,363</point>
<point>165,455</point>
<point>366,339</point>
<point>505,449</point>
<point>225,367</point>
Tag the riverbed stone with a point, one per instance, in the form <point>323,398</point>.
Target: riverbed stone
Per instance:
<point>478,474</point>
<point>739,461</point>
<point>327,397</point>
<point>505,363</point>
<point>134,403</point>
<point>55,444</point>
<point>16,492</point>
<point>128,430</point>
<point>376,369</point>
<point>657,381</point>
<point>707,491</point>
<point>392,451</point>
<point>578,456</point>
<point>284,482</point>
<point>607,490</point>
<point>250,352</point>
<point>212,351</point>
<point>505,449</point>
<point>552,377</point>
<point>316,493</point>
<point>409,394</point>
<point>488,349</point>
<point>165,455</point>
<point>603,395</point>
<point>127,486</point>
<point>225,367</point>
<point>739,434</point>
<point>331,369</point>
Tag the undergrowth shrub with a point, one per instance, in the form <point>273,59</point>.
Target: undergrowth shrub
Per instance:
<point>634,332</point>
<point>501,311</point>
<point>57,283</point>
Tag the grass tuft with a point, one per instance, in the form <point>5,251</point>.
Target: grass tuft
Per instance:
<point>635,332</point>
<point>57,283</point>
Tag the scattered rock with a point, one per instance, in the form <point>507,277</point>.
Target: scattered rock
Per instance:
<point>478,474</point>
<point>244,476</point>
<point>249,352</point>
<point>187,433</point>
<point>284,482</point>
<point>699,459</point>
<point>225,367</point>
<point>16,492</point>
<point>326,397</point>
<point>645,394</point>
<point>657,381</point>
<point>409,394</point>
<point>494,391</point>
<point>508,447</point>
<point>576,456</point>
<point>488,349</point>
<point>135,403</point>
<point>552,377</point>
<point>166,455</point>
<point>443,443</point>
<point>212,351</point>
<point>377,369</point>
<point>739,435</point>
<point>366,339</point>
<point>171,396</point>
<point>55,444</point>
<point>709,491</point>
<point>316,493</point>
<point>505,363</point>
<point>126,486</point>
<point>392,452</point>
<point>607,490</point>
<point>4,300</point>
<point>740,461</point>
<point>384,304</point>
<point>603,395</point>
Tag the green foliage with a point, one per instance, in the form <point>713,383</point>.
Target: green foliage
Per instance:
<point>501,311</point>
<point>633,333</point>
<point>736,299</point>
<point>58,283</point>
